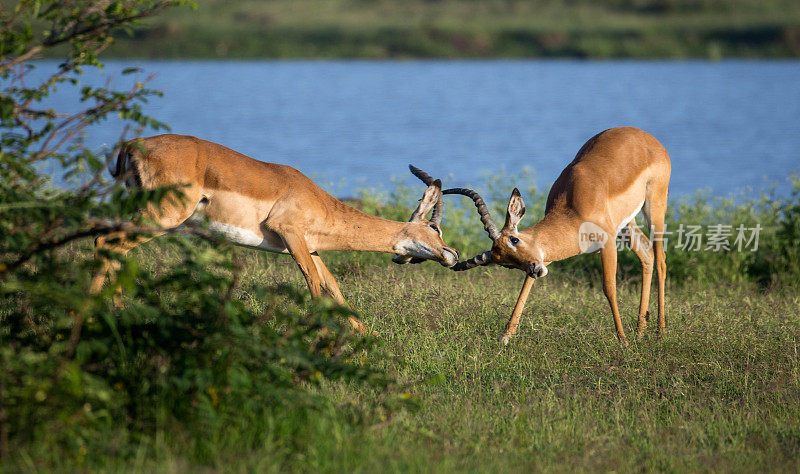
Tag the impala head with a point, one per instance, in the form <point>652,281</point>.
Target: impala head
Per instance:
<point>421,239</point>
<point>515,250</point>
<point>510,248</point>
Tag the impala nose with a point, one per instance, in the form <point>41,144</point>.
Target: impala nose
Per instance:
<point>450,257</point>
<point>537,270</point>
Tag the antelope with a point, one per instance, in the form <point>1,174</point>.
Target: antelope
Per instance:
<point>267,206</point>
<point>614,176</point>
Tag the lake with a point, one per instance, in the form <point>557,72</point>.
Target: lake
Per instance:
<point>352,124</point>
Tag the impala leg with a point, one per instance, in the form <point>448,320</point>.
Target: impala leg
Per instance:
<point>640,245</point>
<point>608,257</point>
<point>296,244</point>
<point>118,242</point>
<point>657,195</point>
<point>661,271</point>
<point>332,288</point>
<point>172,211</point>
<point>511,326</point>
<point>328,282</point>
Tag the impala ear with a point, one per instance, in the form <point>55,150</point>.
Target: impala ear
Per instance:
<point>432,195</point>
<point>516,209</point>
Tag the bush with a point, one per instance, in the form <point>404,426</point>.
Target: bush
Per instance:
<point>82,375</point>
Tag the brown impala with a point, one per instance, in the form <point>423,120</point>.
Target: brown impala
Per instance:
<point>616,174</point>
<point>269,207</point>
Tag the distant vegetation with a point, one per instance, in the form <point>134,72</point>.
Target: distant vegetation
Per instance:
<point>471,29</point>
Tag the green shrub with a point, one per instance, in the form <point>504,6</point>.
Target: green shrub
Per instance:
<point>82,375</point>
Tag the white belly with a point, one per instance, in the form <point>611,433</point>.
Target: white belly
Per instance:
<point>248,238</point>
<point>240,236</point>
<point>245,237</point>
<point>629,218</point>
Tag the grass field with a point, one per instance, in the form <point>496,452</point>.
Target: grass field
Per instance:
<point>719,393</point>
<point>470,29</point>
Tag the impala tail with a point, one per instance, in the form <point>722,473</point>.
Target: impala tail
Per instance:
<point>118,167</point>
<point>125,169</point>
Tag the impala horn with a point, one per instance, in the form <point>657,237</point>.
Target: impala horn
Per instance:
<point>436,214</point>
<point>484,258</point>
<point>438,209</point>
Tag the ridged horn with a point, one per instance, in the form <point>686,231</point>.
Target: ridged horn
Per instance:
<point>438,209</point>
<point>478,260</point>
<point>488,223</point>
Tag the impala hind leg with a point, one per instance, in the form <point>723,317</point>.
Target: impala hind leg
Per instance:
<point>608,256</point>
<point>640,245</point>
<point>332,288</point>
<point>657,197</point>
<point>661,269</point>
<point>172,212</point>
<point>116,242</point>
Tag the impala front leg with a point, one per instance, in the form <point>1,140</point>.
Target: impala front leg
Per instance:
<point>511,327</point>
<point>332,288</point>
<point>296,244</point>
<point>608,256</point>
<point>314,275</point>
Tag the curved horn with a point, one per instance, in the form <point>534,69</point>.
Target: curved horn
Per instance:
<point>488,223</point>
<point>437,214</point>
<point>478,260</point>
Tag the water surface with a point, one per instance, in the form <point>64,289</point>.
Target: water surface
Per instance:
<point>726,125</point>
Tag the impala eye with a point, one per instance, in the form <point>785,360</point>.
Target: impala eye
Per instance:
<point>514,240</point>
<point>435,227</point>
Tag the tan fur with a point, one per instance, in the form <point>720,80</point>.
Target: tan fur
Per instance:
<point>265,205</point>
<point>611,176</point>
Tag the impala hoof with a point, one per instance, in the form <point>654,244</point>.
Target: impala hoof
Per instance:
<point>505,339</point>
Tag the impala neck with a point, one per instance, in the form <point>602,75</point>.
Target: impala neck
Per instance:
<point>350,229</point>
<point>557,236</point>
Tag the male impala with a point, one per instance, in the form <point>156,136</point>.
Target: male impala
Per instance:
<point>616,174</point>
<point>270,207</point>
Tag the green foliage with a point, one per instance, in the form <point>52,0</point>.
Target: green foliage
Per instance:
<point>80,374</point>
<point>187,355</point>
<point>779,258</point>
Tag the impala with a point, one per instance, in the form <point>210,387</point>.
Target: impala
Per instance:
<point>270,207</point>
<point>616,174</point>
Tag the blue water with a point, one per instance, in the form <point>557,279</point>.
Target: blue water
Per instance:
<point>726,125</point>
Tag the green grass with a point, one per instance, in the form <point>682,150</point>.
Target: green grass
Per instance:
<point>720,392</point>
<point>466,29</point>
